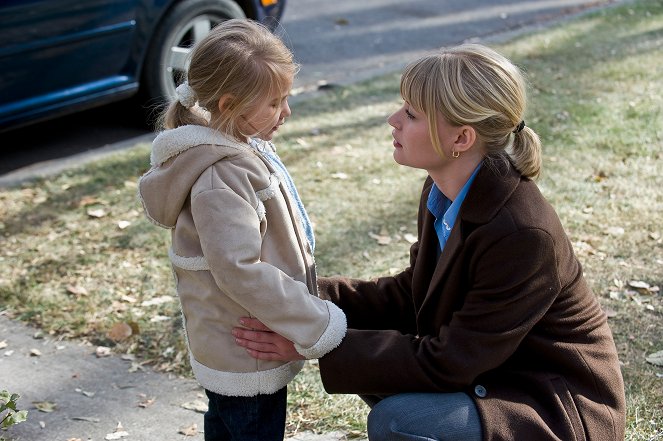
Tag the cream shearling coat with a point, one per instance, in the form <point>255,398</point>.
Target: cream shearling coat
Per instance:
<point>238,249</point>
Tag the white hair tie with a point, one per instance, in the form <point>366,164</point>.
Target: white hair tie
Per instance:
<point>186,95</point>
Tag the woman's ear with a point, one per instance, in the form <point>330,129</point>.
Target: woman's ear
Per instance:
<point>226,102</point>
<point>466,136</point>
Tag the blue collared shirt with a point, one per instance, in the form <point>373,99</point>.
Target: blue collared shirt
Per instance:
<point>445,210</point>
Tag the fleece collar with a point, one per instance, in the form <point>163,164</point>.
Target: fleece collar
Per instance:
<point>171,143</point>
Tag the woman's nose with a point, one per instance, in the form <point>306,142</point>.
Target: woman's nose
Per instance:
<point>392,120</point>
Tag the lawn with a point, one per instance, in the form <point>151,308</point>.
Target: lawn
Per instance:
<point>80,261</point>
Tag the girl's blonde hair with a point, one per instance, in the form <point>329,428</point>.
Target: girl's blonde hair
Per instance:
<point>473,85</point>
<point>239,58</point>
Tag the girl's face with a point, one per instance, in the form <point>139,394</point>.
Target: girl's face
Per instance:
<point>412,144</point>
<point>265,118</point>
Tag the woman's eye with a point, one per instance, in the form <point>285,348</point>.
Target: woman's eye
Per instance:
<point>408,114</point>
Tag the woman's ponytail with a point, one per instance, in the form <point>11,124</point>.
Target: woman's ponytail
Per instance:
<point>525,152</point>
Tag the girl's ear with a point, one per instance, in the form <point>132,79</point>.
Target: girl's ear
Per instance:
<point>466,136</point>
<point>226,102</point>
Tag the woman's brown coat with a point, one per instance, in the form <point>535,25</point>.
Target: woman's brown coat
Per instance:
<point>504,314</point>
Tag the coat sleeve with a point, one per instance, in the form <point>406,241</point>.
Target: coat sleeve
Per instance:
<point>229,232</point>
<point>500,308</point>
<point>383,303</point>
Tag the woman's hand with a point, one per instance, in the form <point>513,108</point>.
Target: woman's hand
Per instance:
<point>263,343</point>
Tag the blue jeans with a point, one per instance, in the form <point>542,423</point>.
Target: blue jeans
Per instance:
<point>246,418</point>
<point>423,417</point>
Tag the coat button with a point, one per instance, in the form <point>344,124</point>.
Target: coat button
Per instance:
<point>480,391</point>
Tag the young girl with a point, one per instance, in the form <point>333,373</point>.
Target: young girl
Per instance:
<point>242,243</point>
<point>492,332</point>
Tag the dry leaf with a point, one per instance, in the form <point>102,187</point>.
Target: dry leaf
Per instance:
<point>96,212</point>
<point>88,419</point>
<point>191,430</point>
<point>116,435</point>
<point>158,301</point>
<point>615,231</point>
<point>77,290</point>
<point>382,239</point>
<point>609,312</point>
<point>88,200</point>
<point>123,224</point>
<point>45,406</point>
<point>339,175</point>
<point>411,238</point>
<point>120,331</point>
<point>146,402</point>
<point>102,351</point>
<point>87,394</point>
<point>35,352</point>
<point>656,358</point>
<point>196,406</point>
<point>3,344</point>
<point>642,287</point>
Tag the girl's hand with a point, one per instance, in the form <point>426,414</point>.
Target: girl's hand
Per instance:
<point>263,343</point>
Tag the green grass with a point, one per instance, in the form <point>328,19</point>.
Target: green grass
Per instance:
<point>595,99</point>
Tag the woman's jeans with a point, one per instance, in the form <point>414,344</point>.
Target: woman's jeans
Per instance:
<point>246,418</point>
<point>423,417</point>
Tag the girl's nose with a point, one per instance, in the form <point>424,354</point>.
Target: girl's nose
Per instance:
<point>285,110</point>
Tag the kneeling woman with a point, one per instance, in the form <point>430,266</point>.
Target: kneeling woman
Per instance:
<point>491,333</point>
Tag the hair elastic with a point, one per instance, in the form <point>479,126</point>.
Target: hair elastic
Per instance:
<point>519,127</point>
<point>186,95</point>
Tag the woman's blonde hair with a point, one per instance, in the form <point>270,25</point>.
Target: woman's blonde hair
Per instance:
<point>239,58</point>
<point>473,85</point>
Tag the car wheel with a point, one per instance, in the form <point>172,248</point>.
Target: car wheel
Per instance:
<point>183,26</point>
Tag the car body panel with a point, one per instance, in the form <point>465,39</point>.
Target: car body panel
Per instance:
<point>61,56</point>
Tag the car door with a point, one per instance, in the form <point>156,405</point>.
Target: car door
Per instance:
<point>57,53</point>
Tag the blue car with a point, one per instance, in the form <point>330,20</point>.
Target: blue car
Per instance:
<point>63,56</point>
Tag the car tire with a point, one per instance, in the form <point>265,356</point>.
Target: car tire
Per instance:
<point>167,57</point>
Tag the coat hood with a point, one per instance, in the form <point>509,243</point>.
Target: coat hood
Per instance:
<point>179,156</point>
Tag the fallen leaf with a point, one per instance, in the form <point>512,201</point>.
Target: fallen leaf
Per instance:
<point>96,212</point>
<point>643,287</point>
<point>123,224</point>
<point>35,352</point>
<point>42,424</point>
<point>45,406</point>
<point>120,331</point>
<point>88,419</point>
<point>158,301</point>
<point>381,239</point>
<point>102,351</point>
<point>656,358</point>
<point>116,435</point>
<point>146,402</point>
<point>191,430</point>
<point>196,405</point>
<point>339,175</point>
<point>609,312</point>
<point>411,238</point>
<point>88,200</point>
<point>86,393</point>
<point>77,290</point>
<point>74,439</point>
<point>3,344</point>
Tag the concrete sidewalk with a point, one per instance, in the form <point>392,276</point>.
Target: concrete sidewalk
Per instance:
<point>97,398</point>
